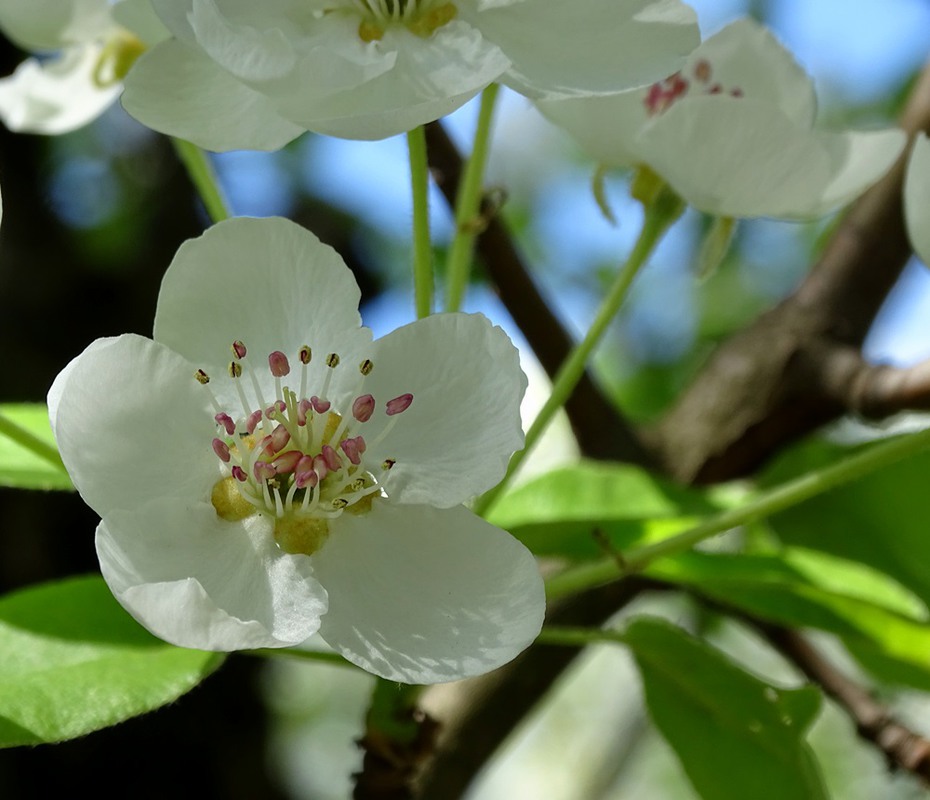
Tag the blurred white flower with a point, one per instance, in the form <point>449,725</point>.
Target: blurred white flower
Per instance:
<point>917,198</point>
<point>732,132</point>
<point>85,47</point>
<point>240,75</point>
<point>302,491</point>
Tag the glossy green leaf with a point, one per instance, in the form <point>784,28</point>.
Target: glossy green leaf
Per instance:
<point>882,520</point>
<point>736,736</point>
<point>883,625</point>
<point>21,466</point>
<point>73,661</point>
<point>571,511</point>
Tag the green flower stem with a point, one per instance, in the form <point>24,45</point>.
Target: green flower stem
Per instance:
<point>422,250</point>
<point>578,637</point>
<point>392,712</point>
<point>467,202</point>
<point>763,505</point>
<point>198,166</point>
<point>30,441</point>
<point>659,217</point>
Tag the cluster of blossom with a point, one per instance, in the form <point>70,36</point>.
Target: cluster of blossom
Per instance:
<point>246,502</point>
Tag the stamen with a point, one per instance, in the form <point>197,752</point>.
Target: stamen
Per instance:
<point>331,458</point>
<point>263,471</point>
<point>302,408</point>
<point>226,421</point>
<point>350,448</point>
<point>239,350</point>
<point>320,406</point>
<point>366,367</point>
<point>253,420</point>
<point>280,436</point>
<point>399,404</point>
<point>239,474</point>
<point>363,407</point>
<point>221,449</point>
<point>287,463</point>
<point>388,463</point>
<point>304,355</point>
<point>202,378</point>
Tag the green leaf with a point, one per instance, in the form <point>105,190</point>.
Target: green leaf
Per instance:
<point>27,449</point>
<point>74,662</point>
<point>736,736</point>
<point>560,512</point>
<point>883,625</point>
<point>882,520</point>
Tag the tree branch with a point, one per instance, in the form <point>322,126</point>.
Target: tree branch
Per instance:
<point>902,747</point>
<point>484,710</point>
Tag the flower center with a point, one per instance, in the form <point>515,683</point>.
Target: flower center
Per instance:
<point>297,459</point>
<point>661,95</point>
<point>421,17</point>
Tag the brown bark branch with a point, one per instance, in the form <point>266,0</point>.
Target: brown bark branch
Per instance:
<point>874,391</point>
<point>903,748</point>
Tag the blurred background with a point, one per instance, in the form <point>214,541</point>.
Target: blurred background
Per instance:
<point>91,221</point>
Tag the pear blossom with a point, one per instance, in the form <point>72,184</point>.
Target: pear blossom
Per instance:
<point>266,472</point>
<point>917,197</point>
<point>86,47</point>
<point>243,75</point>
<point>732,132</point>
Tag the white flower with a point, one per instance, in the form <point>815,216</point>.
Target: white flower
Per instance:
<point>732,132</point>
<point>244,75</point>
<point>917,198</point>
<point>93,43</point>
<point>302,490</point>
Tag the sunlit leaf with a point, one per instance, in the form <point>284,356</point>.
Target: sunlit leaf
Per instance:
<point>882,520</point>
<point>571,511</point>
<point>882,623</point>
<point>74,662</point>
<point>736,736</point>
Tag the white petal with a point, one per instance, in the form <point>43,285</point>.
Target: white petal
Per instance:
<point>246,52</point>
<point>588,46</point>
<point>57,95</point>
<point>177,90</point>
<point>917,197</point>
<point>132,423</point>
<point>746,56</point>
<point>138,17</point>
<point>198,581</point>
<point>604,126</point>
<point>422,595</point>
<point>456,438</point>
<point>267,282</point>
<point>741,158</point>
<point>429,78</point>
<point>51,24</point>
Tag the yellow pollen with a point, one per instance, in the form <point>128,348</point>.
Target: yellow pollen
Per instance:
<point>332,424</point>
<point>427,24</point>
<point>369,31</point>
<point>229,504</point>
<point>300,534</point>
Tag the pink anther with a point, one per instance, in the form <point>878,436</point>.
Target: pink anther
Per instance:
<point>350,448</point>
<point>227,422</point>
<point>238,349</point>
<point>280,436</point>
<point>331,458</point>
<point>277,361</point>
<point>252,422</point>
<point>363,407</point>
<point>287,462</point>
<point>307,478</point>
<point>302,408</point>
<point>399,404</point>
<point>263,470</point>
<point>239,474</point>
<point>320,406</point>
<point>221,449</point>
